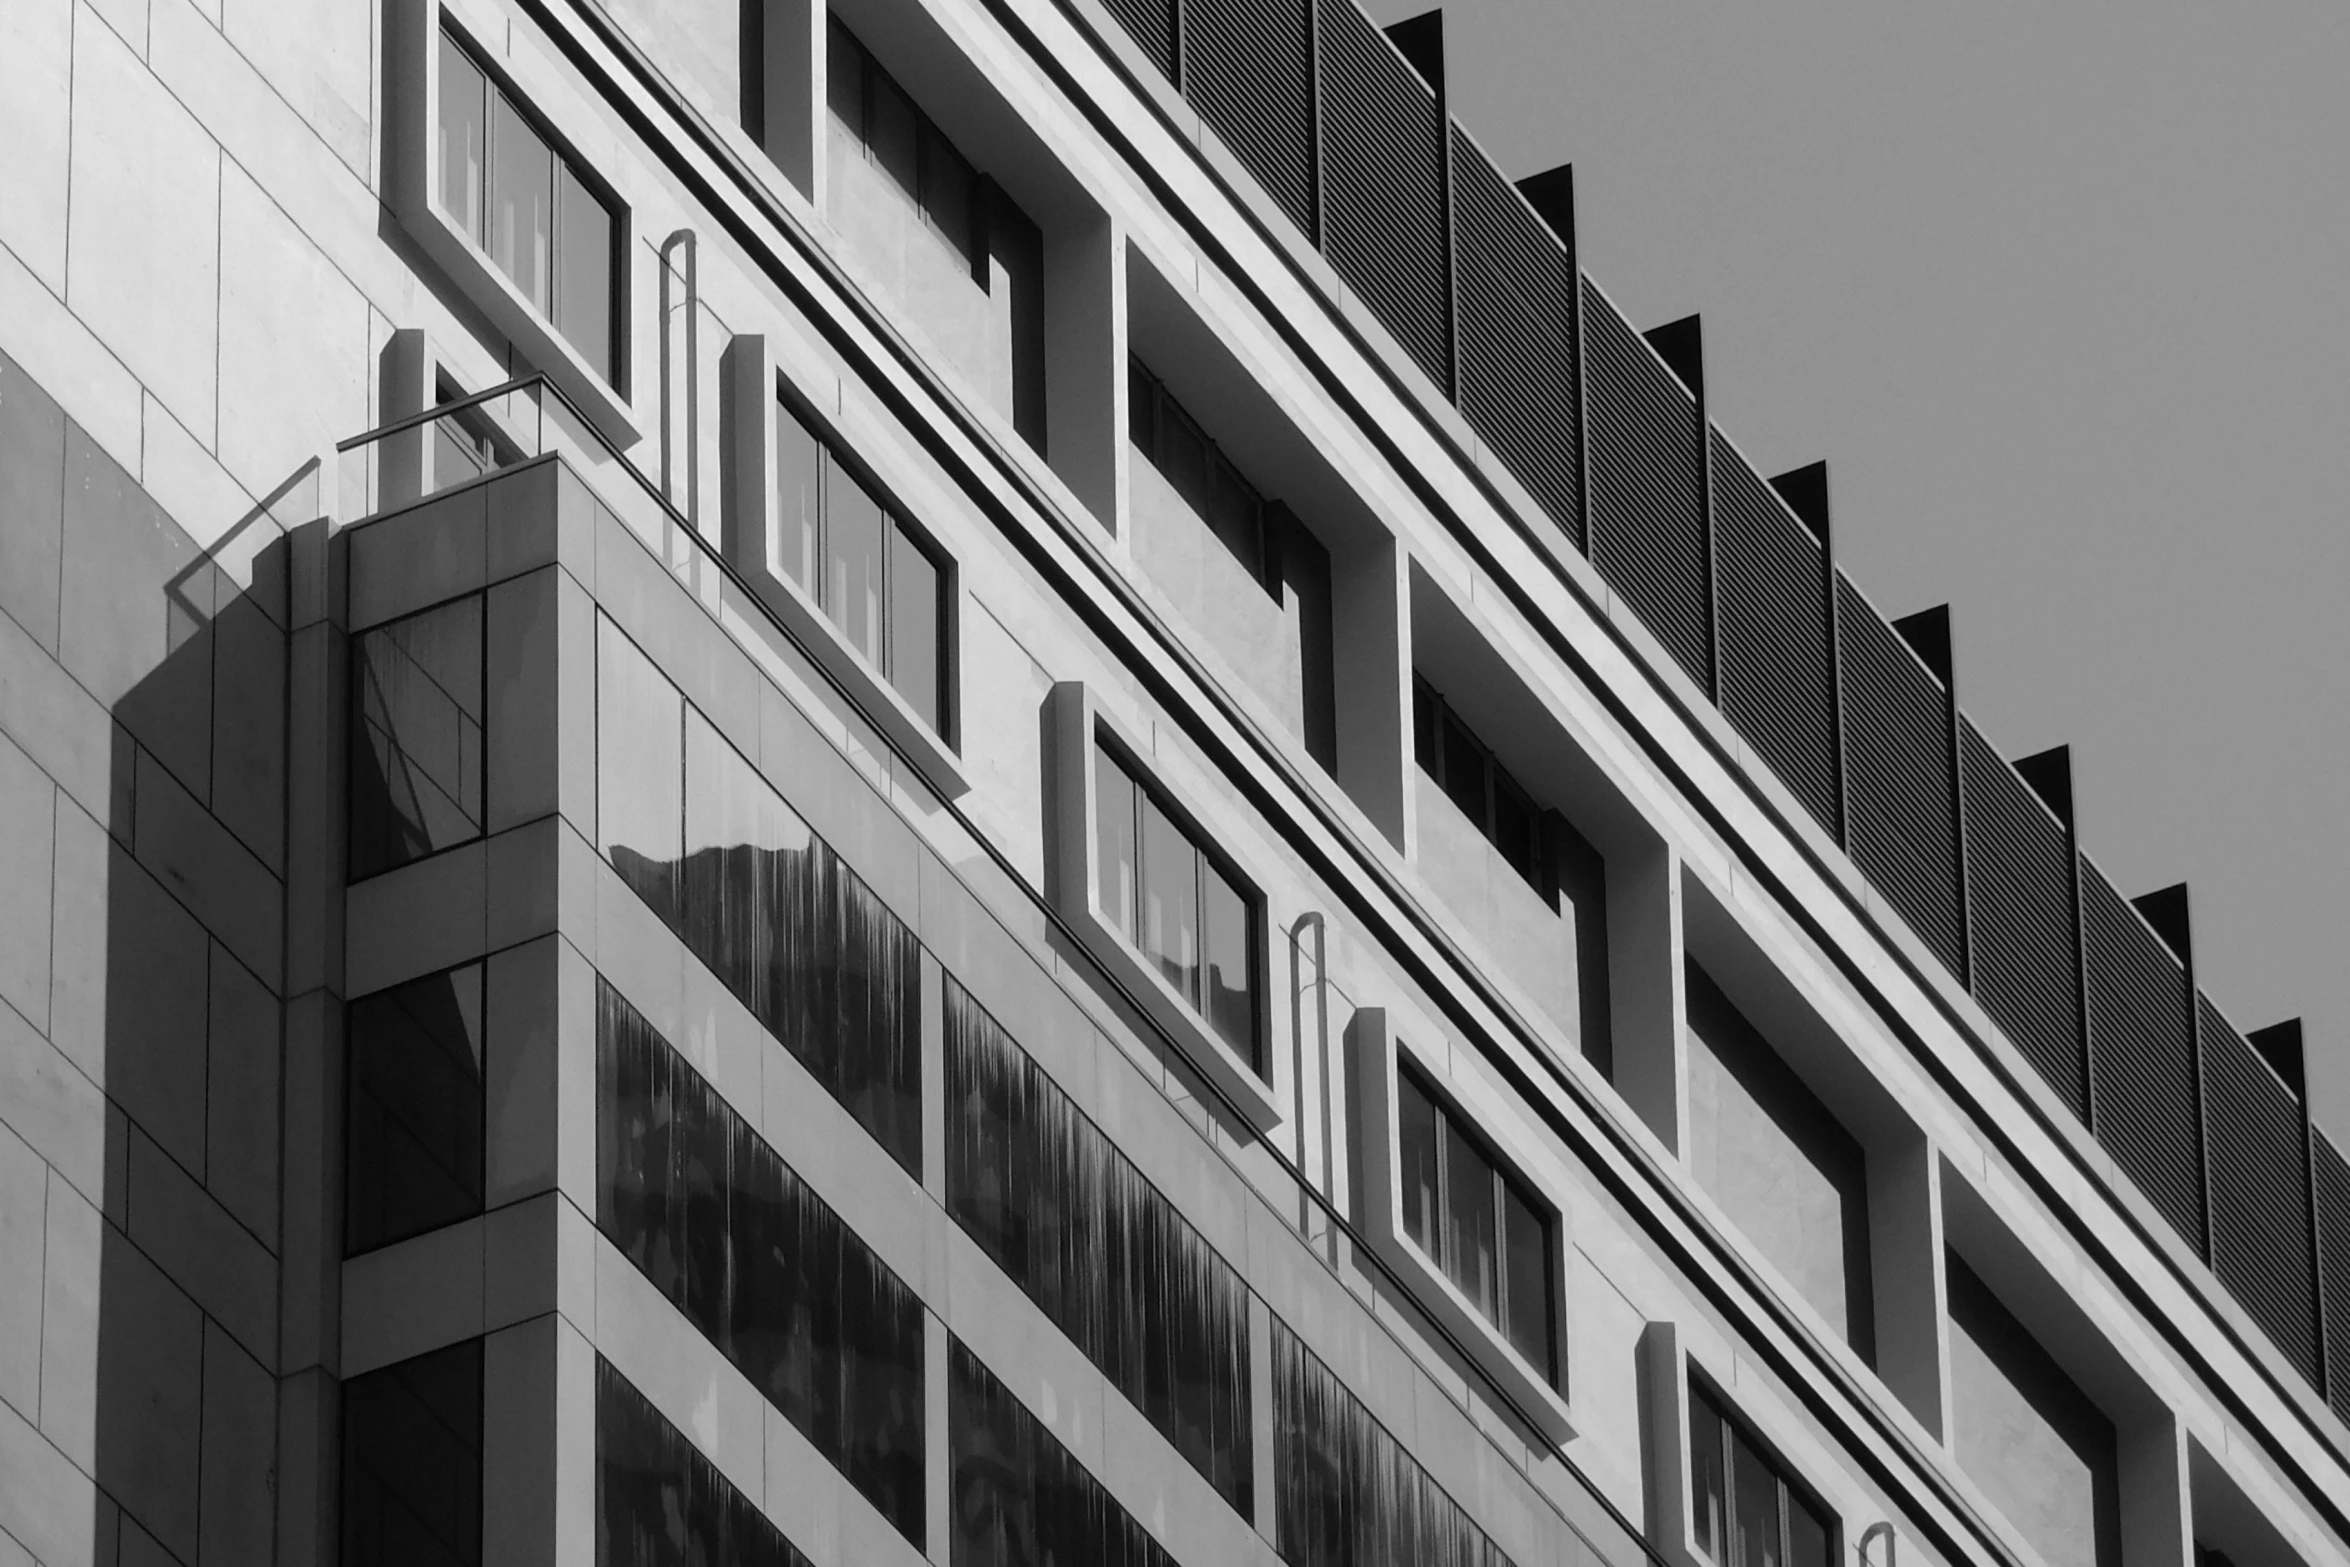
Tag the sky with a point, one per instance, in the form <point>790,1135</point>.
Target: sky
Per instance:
<point>2062,295</point>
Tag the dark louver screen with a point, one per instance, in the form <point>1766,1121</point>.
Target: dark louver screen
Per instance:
<point>1150,23</point>
<point>1778,662</point>
<point>1647,495</point>
<point>1383,223</point>
<point>2259,1190</point>
<point>1899,823</point>
<point>1248,67</point>
<point>2142,1056</point>
<point>2019,877</point>
<point>1515,285</point>
<point>2333,1255</point>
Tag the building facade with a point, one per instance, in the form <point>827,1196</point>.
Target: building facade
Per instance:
<point>993,783</point>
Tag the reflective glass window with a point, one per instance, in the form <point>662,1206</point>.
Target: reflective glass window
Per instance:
<point>583,271</point>
<point>416,737</point>
<point>1748,1512</point>
<point>707,1212</point>
<point>522,203</point>
<point>412,1462</point>
<point>413,1160</point>
<point>463,108</point>
<point>659,1502</point>
<point>799,484</point>
<point>1189,915</point>
<point>1451,753</point>
<point>640,766</point>
<point>915,595</point>
<point>537,216</point>
<point>856,541</point>
<point>1476,1221</point>
<point>1170,900</point>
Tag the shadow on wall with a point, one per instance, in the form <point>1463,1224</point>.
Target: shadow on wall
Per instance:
<point>143,694</point>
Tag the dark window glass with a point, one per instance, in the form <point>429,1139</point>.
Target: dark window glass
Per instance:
<point>715,1220</point>
<point>1476,1222</point>
<point>877,582</point>
<point>659,1502</point>
<point>1192,918</point>
<point>583,271</point>
<point>412,1462</point>
<point>1346,1493</point>
<point>1748,1513</point>
<point>1097,1248</point>
<point>1021,1499</point>
<point>416,737</point>
<point>1464,774</point>
<point>1516,830</point>
<point>893,131</point>
<point>463,106</point>
<point>534,214</point>
<point>947,188</point>
<point>414,1161</point>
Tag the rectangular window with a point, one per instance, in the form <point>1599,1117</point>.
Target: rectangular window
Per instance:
<point>528,207</point>
<point>1198,471</point>
<point>416,737</point>
<point>1177,902</point>
<point>412,1450</point>
<point>1476,1221</point>
<point>414,1156</point>
<point>878,582</point>
<point>1448,751</point>
<point>711,1215</point>
<point>659,1501</point>
<point>1746,1510</point>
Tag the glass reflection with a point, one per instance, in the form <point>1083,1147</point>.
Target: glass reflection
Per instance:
<point>416,737</point>
<point>1132,1284</point>
<point>583,272</point>
<point>710,1214</point>
<point>1170,900</point>
<point>462,107</point>
<point>640,789</point>
<point>522,203</point>
<point>659,1502</point>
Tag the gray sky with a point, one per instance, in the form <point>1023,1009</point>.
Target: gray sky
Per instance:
<point>2062,294</point>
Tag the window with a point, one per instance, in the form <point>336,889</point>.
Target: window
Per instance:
<point>1470,776</point>
<point>1201,474</point>
<point>964,263</point>
<point>414,1160</point>
<point>878,583</point>
<point>1747,1512</point>
<point>1476,1222</point>
<point>416,737</point>
<point>465,444</point>
<point>412,1450</point>
<point>1176,903</point>
<point>525,205</point>
<point>659,1501</point>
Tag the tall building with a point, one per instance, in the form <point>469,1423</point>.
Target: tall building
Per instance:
<point>990,782</point>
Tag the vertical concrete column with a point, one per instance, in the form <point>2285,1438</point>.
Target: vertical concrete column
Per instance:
<point>1908,1278</point>
<point>538,1494</point>
<point>1664,1420</point>
<point>2157,1519</point>
<point>1648,1005</point>
<point>746,460</point>
<point>791,91</point>
<point>311,1175</point>
<point>1085,360</point>
<point>937,1444</point>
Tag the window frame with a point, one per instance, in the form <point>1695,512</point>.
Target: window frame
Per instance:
<point>1673,1372</point>
<point>1431,712</point>
<point>414,39</point>
<point>1078,724</point>
<point>1788,1490</point>
<point>758,394</point>
<point>1150,403</point>
<point>1381,1052</point>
